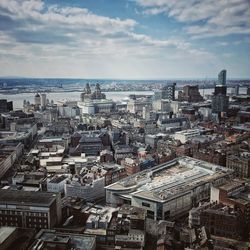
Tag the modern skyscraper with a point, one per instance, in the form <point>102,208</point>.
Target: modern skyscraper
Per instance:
<point>168,92</point>
<point>222,77</point>
<point>43,101</point>
<point>220,100</point>
<point>37,100</point>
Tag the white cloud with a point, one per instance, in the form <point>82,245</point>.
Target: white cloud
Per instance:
<point>204,18</point>
<point>52,39</point>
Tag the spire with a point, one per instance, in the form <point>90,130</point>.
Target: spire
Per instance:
<point>87,89</point>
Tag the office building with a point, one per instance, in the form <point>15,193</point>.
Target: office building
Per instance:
<point>167,92</point>
<point>220,100</point>
<point>88,184</point>
<point>37,100</point>
<point>43,101</point>
<point>56,183</point>
<point>190,93</point>
<point>222,77</point>
<point>5,106</point>
<point>186,135</point>
<point>29,209</point>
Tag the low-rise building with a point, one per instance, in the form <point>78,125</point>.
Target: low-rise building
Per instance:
<point>170,189</point>
<point>51,239</point>
<point>57,183</point>
<point>186,135</point>
<point>88,184</point>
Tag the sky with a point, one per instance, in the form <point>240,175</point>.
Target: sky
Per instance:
<point>125,39</point>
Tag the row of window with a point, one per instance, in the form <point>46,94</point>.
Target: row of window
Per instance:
<point>13,212</point>
<point>10,212</point>
<point>8,218</point>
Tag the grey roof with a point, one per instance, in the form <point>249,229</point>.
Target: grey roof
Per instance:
<point>26,198</point>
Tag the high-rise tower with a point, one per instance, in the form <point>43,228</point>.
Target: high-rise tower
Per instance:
<point>222,77</point>
<point>220,100</point>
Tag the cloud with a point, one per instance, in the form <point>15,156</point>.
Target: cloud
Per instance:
<point>210,18</point>
<point>52,38</point>
<point>32,22</point>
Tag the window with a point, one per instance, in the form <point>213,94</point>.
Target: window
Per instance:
<point>145,204</point>
<point>150,214</point>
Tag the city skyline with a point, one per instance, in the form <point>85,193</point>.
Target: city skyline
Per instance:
<point>133,39</point>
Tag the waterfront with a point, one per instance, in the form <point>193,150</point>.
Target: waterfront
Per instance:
<point>75,96</point>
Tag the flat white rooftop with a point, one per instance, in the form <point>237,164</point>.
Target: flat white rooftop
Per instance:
<point>168,179</point>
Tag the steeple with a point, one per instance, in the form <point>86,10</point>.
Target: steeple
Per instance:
<point>87,89</point>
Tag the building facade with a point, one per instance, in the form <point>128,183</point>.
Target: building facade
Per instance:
<point>29,209</point>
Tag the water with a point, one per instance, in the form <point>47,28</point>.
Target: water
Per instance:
<point>75,96</point>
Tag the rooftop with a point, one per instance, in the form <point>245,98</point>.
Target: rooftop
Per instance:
<point>169,179</point>
<point>26,198</point>
<point>76,241</point>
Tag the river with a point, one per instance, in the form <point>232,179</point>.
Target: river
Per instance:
<point>73,96</point>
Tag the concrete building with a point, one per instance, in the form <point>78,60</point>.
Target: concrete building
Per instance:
<point>170,189</point>
<point>136,105</point>
<point>56,183</point>
<point>68,111</point>
<point>167,92</point>
<point>220,100</point>
<point>190,93</point>
<point>51,239</point>
<point>37,100</point>
<point>5,106</point>
<point>29,209</point>
<point>173,124</point>
<point>186,135</point>
<point>240,163</point>
<point>89,144</point>
<point>43,101</point>
<point>88,184</point>
<point>97,106</point>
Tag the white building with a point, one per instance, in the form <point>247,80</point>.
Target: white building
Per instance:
<point>56,184</point>
<point>168,190</point>
<point>96,106</point>
<point>135,106</point>
<point>185,135</point>
<point>88,185</point>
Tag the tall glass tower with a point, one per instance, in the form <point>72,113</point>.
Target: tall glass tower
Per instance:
<point>222,77</point>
